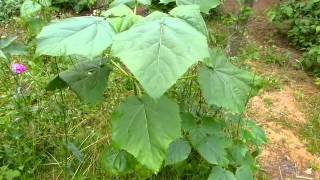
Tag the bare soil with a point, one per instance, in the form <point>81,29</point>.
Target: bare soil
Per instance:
<point>285,156</point>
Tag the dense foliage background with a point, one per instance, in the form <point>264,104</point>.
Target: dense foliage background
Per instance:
<point>300,20</point>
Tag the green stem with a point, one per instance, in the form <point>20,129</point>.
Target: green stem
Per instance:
<point>139,90</point>
<point>136,87</point>
<point>135,7</point>
<point>123,71</point>
<point>247,101</point>
<point>64,118</point>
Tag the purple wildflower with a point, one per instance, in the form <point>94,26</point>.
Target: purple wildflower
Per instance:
<point>18,68</point>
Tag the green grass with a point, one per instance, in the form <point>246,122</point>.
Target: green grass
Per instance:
<point>32,130</point>
<point>267,54</point>
<point>311,131</point>
<point>270,83</point>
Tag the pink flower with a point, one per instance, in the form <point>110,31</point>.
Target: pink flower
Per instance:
<point>18,68</point>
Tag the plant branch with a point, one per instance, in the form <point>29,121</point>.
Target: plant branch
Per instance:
<point>64,117</point>
<point>247,100</point>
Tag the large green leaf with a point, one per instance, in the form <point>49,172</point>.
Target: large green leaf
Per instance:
<point>87,36</point>
<point>117,11</point>
<point>191,14</point>
<point>35,25</point>
<point>208,125</point>
<point>5,42</point>
<point>117,161</point>
<point>238,153</point>
<point>129,2</point>
<point>116,3</point>
<point>207,138</point>
<point>189,122</point>
<point>145,128</point>
<point>45,3</point>
<point>158,50</point>
<point>225,85</point>
<point>144,2</point>
<point>8,46</point>
<point>87,79</point>
<point>2,55</point>
<point>218,173</point>
<point>205,5</point>
<point>253,133</point>
<point>244,173</point>
<point>213,126</point>
<point>15,49</point>
<point>178,151</point>
<point>124,23</point>
<point>211,148</point>
<point>29,8</point>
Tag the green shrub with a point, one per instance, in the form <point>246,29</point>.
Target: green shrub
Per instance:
<point>311,60</point>
<point>157,6</point>
<point>76,5</point>
<point>300,21</point>
<point>9,8</point>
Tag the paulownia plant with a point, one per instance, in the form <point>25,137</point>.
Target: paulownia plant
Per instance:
<point>149,129</point>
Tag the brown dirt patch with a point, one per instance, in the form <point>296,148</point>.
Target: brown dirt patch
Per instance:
<point>261,31</point>
<point>278,106</point>
<point>281,114</point>
<point>285,155</point>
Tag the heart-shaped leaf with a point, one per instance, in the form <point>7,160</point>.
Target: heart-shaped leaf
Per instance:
<point>225,85</point>
<point>29,8</point>
<point>244,173</point>
<point>117,161</point>
<point>16,49</point>
<point>117,11</point>
<point>8,46</point>
<point>87,79</point>
<point>205,5</point>
<point>145,128</point>
<point>158,50</point>
<point>124,23</point>
<point>218,173</point>
<point>5,42</point>
<point>130,3</point>
<point>86,36</point>
<point>211,148</point>
<point>191,14</point>
<point>178,151</point>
